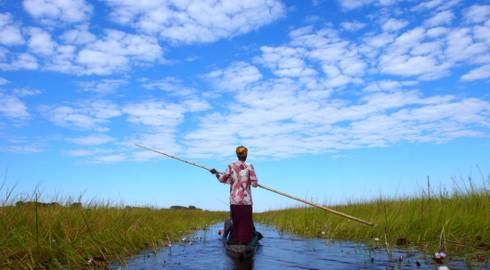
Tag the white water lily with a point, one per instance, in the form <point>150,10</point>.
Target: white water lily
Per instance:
<point>440,255</point>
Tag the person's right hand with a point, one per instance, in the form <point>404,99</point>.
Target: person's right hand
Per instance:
<point>213,171</point>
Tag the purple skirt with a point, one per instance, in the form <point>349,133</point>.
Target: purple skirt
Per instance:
<point>241,215</point>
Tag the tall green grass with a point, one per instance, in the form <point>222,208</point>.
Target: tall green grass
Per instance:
<point>39,236</point>
<point>457,222</point>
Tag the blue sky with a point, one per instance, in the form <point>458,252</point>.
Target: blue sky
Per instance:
<point>336,100</point>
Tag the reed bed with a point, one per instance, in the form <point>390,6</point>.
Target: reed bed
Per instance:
<point>457,222</point>
<point>69,235</point>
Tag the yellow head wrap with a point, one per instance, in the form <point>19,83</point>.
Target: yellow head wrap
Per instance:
<point>241,151</point>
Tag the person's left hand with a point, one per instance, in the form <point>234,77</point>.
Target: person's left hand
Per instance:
<point>213,171</point>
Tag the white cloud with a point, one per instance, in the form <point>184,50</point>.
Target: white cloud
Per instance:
<point>196,105</point>
<point>389,85</point>
<point>40,42</point>
<point>10,33</point>
<point>196,21</point>
<point>353,25</point>
<point>3,81</point>
<point>116,52</point>
<point>22,61</point>
<point>109,158</point>
<point>378,40</point>
<point>78,35</point>
<point>437,32</point>
<point>276,119</point>
<point>82,53</point>
<point>55,11</point>
<point>235,77</point>
<point>85,115</point>
<point>170,85</point>
<point>12,107</point>
<point>23,147</point>
<point>424,66</point>
<point>106,86</point>
<point>354,4</point>
<point>394,25</point>
<point>81,152</point>
<point>461,47</point>
<point>477,13</point>
<point>285,61</point>
<point>154,113</point>
<point>280,117</point>
<point>479,73</point>
<point>92,140</point>
<point>438,5</point>
<point>161,138</point>
<point>441,18</point>
<point>68,116</point>
<point>26,92</point>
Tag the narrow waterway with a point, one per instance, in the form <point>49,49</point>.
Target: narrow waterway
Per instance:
<point>204,250</point>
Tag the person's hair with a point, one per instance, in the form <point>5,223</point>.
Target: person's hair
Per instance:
<point>241,152</point>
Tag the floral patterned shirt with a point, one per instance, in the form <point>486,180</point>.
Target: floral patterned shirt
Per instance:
<point>240,176</point>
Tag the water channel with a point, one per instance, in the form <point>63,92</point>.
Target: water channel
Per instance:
<point>204,250</point>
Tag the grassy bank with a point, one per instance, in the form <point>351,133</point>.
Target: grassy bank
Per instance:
<point>458,223</point>
<point>52,236</point>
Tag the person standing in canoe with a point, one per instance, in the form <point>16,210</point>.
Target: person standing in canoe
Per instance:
<point>240,176</point>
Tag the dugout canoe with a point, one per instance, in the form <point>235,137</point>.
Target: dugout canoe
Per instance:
<point>240,251</point>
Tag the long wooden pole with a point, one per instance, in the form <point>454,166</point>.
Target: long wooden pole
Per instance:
<point>266,188</point>
<point>317,205</point>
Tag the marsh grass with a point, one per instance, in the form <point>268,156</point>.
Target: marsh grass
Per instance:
<point>457,222</point>
<point>68,235</point>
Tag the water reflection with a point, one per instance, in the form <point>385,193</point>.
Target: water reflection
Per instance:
<point>280,251</point>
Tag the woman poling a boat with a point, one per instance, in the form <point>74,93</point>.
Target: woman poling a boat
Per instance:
<point>240,176</point>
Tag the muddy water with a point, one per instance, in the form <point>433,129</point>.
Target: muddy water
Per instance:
<point>204,250</point>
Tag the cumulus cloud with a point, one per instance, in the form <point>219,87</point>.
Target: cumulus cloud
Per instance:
<point>103,87</point>
<point>12,107</point>
<point>353,25</point>
<point>320,90</point>
<point>3,81</point>
<point>154,113</point>
<point>26,92</point>
<point>10,33</point>
<point>89,115</point>
<point>354,4</point>
<point>394,25</point>
<point>55,11</point>
<point>441,18</point>
<point>235,77</point>
<point>477,13</point>
<point>479,73</point>
<point>116,52</point>
<point>79,35</point>
<point>435,5</point>
<point>22,145</point>
<point>389,85</point>
<point>196,21</point>
<point>285,61</point>
<point>80,52</point>
<point>40,42</point>
<point>170,85</point>
<point>109,158</point>
<point>278,120</point>
<point>93,140</point>
<point>20,61</point>
<point>280,116</point>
